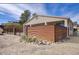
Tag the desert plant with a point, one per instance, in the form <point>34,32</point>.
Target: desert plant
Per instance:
<point>26,38</point>
<point>33,39</point>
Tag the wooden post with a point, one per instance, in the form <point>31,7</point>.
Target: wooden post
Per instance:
<point>66,25</point>
<point>24,29</point>
<point>45,23</point>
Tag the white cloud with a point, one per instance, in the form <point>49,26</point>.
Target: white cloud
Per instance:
<point>72,16</point>
<point>34,8</point>
<point>76,18</point>
<point>11,8</point>
<point>2,13</point>
<point>16,9</point>
<point>38,8</point>
<point>69,14</point>
<point>54,8</point>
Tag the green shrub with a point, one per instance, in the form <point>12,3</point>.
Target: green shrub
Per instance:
<point>25,39</point>
<point>28,39</point>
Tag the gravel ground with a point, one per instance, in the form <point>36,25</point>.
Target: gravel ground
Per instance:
<point>10,45</point>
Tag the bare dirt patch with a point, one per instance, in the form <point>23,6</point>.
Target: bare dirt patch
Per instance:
<point>10,45</point>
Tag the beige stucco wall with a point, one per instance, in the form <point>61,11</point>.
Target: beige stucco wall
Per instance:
<point>69,26</point>
<point>41,19</point>
<point>78,29</point>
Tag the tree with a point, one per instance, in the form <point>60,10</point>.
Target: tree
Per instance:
<point>34,14</point>
<point>24,16</point>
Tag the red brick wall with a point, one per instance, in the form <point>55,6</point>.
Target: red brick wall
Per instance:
<point>42,32</point>
<point>48,32</point>
<point>60,32</point>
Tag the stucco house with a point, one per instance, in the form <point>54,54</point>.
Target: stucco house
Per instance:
<point>50,28</point>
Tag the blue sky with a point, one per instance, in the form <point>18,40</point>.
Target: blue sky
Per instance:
<point>12,12</point>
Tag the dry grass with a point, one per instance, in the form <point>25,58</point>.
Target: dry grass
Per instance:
<point>10,45</point>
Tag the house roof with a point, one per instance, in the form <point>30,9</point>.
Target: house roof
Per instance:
<point>38,21</point>
<point>1,26</point>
